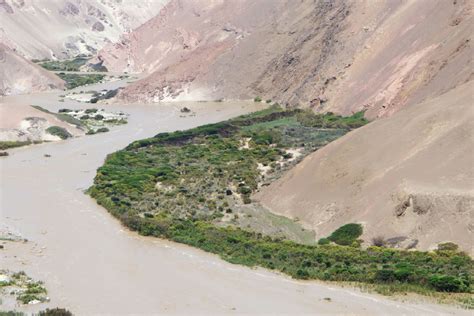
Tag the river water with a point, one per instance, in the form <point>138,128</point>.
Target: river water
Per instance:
<point>92,265</point>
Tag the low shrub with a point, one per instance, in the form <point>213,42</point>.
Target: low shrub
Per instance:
<point>55,312</point>
<point>58,131</point>
<point>449,283</point>
<point>346,235</point>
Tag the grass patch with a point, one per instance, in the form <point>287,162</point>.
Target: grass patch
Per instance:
<point>77,80</point>
<point>13,144</point>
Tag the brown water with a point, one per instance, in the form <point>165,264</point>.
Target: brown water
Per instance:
<point>92,265</point>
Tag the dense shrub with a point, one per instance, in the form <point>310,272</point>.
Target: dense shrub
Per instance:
<point>449,283</point>
<point>58,131</point>
<point>448,246</point>
<point>324,241</point>
<point>346,235</point>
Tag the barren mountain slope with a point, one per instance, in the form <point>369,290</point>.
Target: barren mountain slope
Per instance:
<point>409,176</point>
<point>18,75</point>
<point>64,28</point>
<point>342,56</point>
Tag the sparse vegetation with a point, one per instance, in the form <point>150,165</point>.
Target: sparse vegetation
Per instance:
<point>24,288</point>
<point>331,120</point>
<point>257,99</point>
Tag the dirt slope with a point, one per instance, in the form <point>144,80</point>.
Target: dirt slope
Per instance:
<point>409,176</point>
<point>342,56</point>
<point>64,28</point>
<point>19,76</point>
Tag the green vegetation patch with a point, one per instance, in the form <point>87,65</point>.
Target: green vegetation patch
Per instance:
<point>346,235</point>
<point>183,185</point>
<point>58,131</point>
<point>64,65</point>
<point>76,80</point>
<point>24,288</point>
<point>12,144</point>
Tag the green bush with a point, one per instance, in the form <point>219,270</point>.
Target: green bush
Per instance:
<point>449,283</point>
<point>324,241</point>
<point>448,246</point>
<point>90,111</point>
<point>257,99</point>
<point>58,131</point>
<point>346,235</point>
<point>55,312</point>
<point>102,130</point>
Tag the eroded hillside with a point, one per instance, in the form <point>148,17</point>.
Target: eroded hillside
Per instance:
<point>58,28</point>
<point>342,56</point>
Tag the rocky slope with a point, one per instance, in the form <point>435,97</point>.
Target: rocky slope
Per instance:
<point>382,55</point>
<point>19,76</point>
<point>407,178</point>
<point>65,28</point>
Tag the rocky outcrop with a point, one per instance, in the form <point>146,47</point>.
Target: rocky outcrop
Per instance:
<point>342,56</point>
<point>20,76</point>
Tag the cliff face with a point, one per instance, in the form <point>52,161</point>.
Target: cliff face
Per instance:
<point>65,28</point>
<point>342,56</point>
<point>19,76</point>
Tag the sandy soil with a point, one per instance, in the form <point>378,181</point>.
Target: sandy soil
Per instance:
<point>92,265</point>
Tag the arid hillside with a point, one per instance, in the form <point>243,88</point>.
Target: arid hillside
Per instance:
<point>342,56</point>
<point>407,178</point>
<point>19,76</point>
<point>65,28</point>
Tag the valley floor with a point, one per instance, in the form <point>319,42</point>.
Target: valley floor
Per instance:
<point>92,265</point>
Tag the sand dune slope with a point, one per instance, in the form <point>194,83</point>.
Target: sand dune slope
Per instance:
<point>408,177</point>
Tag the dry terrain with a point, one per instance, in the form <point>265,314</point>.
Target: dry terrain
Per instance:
<point>19,76</point>
<point>59,28</point>
<point>346,55</point>
<point>408,178</point>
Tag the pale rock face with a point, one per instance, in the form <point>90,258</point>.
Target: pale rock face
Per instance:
<point>65,28</point>
<point>20,76</point>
